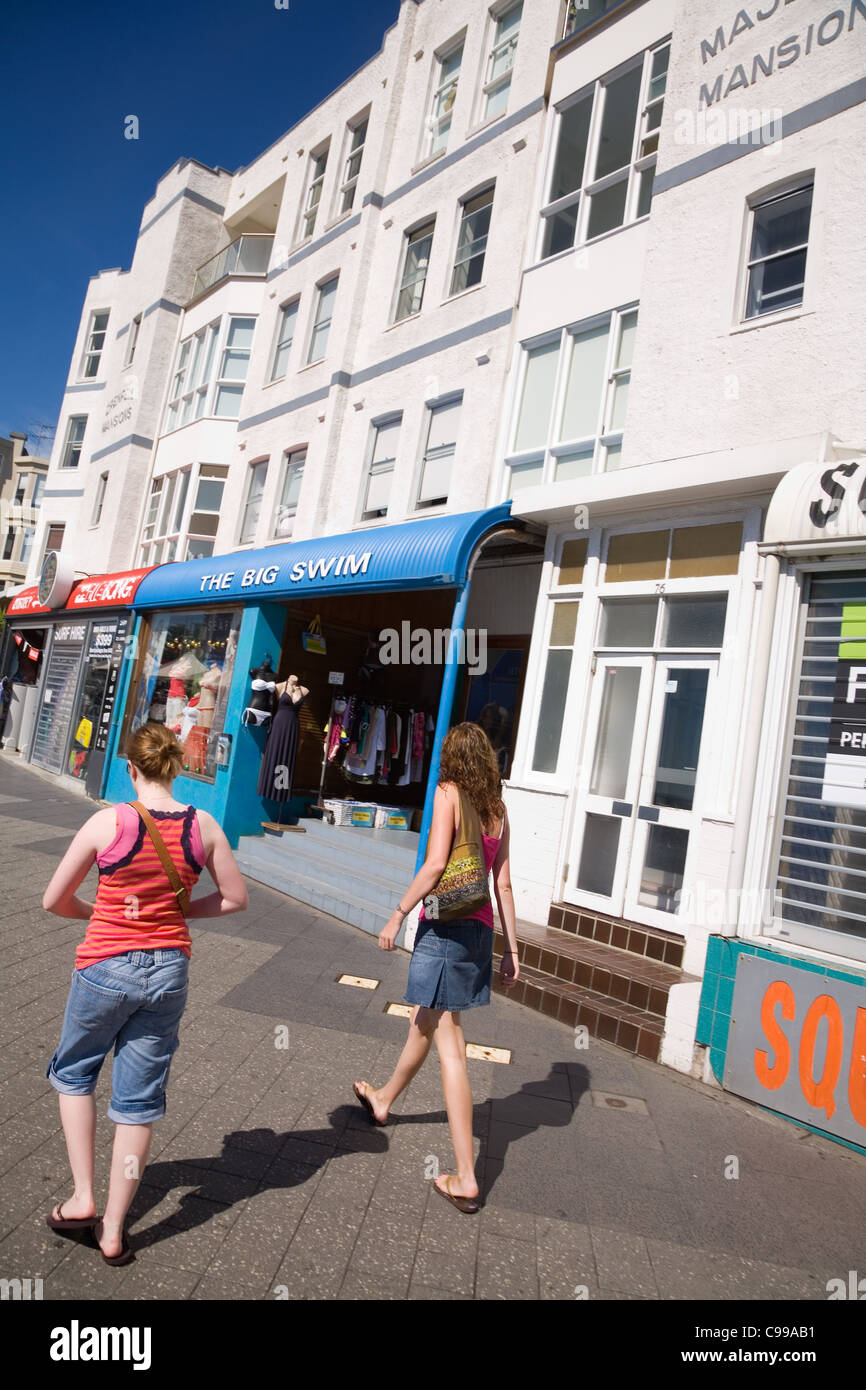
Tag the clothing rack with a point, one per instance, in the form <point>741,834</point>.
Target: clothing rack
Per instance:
<point>400,706</point>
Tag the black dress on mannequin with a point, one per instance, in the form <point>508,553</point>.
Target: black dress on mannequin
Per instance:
<point>277,771</point>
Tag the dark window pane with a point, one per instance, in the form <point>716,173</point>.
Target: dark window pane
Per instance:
<point>571,150</point>
<point>782,224</point>
<point>552,711</point>
<point>607,209</point>
<point>617,127</point>
<point>776,284</point>
<point>559,231</point>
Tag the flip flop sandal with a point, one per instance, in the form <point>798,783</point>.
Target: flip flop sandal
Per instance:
<point>467,1205</point>
<point>126,1256</point>
<point>68,1223</point>
<point>362,1097</point>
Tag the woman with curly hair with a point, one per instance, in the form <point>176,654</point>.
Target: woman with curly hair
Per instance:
<point>451,964</point>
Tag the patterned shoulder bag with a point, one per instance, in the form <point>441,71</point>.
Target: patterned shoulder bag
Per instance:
<point>462,889</point>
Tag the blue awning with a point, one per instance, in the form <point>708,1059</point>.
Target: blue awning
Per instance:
<point>412,555</point>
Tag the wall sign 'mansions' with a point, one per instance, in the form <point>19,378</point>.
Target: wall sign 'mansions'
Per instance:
<point>818,34</point>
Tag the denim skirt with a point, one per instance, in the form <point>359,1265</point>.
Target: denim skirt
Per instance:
<point>451,965</point>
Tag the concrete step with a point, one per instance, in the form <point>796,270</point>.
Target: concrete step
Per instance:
<point>288,855</point>
<point>340,901</point>
<point>397,846</point>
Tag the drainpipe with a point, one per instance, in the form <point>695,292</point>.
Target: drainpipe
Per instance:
<point>744,805</point>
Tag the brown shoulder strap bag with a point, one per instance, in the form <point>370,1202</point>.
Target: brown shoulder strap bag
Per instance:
<point>181,894</point>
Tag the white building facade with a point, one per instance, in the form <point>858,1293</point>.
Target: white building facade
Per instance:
<point>686,417</point>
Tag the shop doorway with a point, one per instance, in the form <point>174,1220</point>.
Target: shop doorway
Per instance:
<point>639,793</point>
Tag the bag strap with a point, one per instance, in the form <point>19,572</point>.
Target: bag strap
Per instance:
<point>180,892</point>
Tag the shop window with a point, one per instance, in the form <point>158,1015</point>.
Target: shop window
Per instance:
<point>572,402</point>
<point>95,343</point>
<point>315,183</point>
<point>322,322</point>
<point>637,555</point>
<point>253,501</point>
<point>290,491</point>
<point>285,337</point>
<point>380,471</point>
<point>184,681</point>
<point>74,441</point>
<point>605,157</point>
<point>776,270</point>
<point>572,560</point>
<point>555,687</point>
<point>436,466</point>
<point>447,76</point>
<point>416,259</point>
<point>472,242</point>
<point>500,61</point>
<point>356,139</point>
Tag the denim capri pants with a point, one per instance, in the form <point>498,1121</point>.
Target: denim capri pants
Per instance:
<point>451,965</point>
<point>134,1003</point>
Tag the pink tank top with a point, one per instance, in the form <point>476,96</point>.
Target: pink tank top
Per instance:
<point>484,914</point>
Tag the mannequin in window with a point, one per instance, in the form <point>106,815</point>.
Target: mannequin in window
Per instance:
<point>260,705</point>
<point>207,695</point>
<point>277,772</point>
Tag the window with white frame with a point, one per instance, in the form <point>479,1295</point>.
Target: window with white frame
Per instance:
<point>380,469</point>
<point>436,466</point>
<point>290,492</point>
<point>99,499</point>
<point>322,321</point>
<point>134,328</point>
<point>472,241</point>
<point>416,259</point>
<point>253,500</point>
<point>500,61</point>
<point>285,336</point>
<point>605,156</point>
<point>27,545</point>
<point>95,343</point>
<point>356,139</point>
<point>234,364</point>
<point>182,514</point>
<point>571,403</point>
<point>74,441</point>
<point>54,537</point>
<point>446,78</point>
<point>193,377</point>
<point>20,488</point>
<point>315,183</point>
<point>778,243</point>
<point>38,489</point>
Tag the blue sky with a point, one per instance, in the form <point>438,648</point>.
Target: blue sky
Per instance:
<point>217,82</point>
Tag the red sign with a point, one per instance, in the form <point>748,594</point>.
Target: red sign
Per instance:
<point>102,591</point>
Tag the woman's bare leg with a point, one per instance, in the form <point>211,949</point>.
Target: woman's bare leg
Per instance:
<point>131,1148</point>
<point>451,1047</point>
<point>421,1028</point>
<point>78,1117</point>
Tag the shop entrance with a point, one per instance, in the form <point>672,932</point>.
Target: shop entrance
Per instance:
<point>650,720</point>
<point>381,653</point>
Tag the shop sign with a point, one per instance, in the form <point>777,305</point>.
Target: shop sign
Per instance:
<point>331,567</point>
<point>101,641</point>
<point>797,1044</point>
<point>70,632</point>
<point>845,763</point>
<point>107,590</point>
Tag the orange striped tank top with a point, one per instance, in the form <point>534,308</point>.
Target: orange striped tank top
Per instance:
<point>135,907</point>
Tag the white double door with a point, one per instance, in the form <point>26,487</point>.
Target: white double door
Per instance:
<point>645,756</point>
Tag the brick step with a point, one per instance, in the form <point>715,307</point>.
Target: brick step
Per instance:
<point>664,947</point>
<point>607,971</point>
<point>633,1029</point>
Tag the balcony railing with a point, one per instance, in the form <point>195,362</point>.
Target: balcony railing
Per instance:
<point>249,255</point>
<point>583,12</point>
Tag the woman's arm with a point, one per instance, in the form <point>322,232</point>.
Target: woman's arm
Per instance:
<point>438,850</point>
<point>59,897</point>
<point>231,894</point>
<point>509,969</point>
